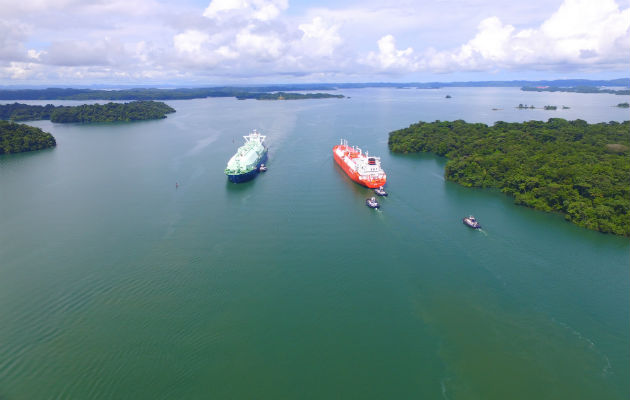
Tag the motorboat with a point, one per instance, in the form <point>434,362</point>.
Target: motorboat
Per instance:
<point>372,203</point>
<point>471,222</point>
<point>380,191</point>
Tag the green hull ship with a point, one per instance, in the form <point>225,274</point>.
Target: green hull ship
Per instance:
<point>248,160</point>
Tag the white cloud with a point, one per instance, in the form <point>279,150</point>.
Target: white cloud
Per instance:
<point>18,70</point>
<point>319,39</point>
<point>262,10</point>
<point>191,41</point>
<point>153,39</point>
<point>12,37</point>
<point>581,33</point>
<point>581,27</point>
<point>104,52</point>
<point>390,58</point>
<point>264,47</point>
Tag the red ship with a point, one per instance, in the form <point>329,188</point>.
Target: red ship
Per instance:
<point>361,168</point>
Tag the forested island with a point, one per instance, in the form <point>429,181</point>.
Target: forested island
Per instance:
<point>268,92</point>
<point>17,138</point>
<point>572,167</point>
<point>110,112</point>
<point>288,96</point>
<point>258,93</point>
<point>575,89</point>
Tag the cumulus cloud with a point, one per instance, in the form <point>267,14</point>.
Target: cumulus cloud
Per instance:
<point>581,33</point>
<point>191,41</point>
<point>153,39</point>
<point>262,46</point>
<point>390,58</point>
<point>12,37</point>
<point>105,52</point>
<point>241,38</point>
<point>262,10</point>
<point>319,38</point>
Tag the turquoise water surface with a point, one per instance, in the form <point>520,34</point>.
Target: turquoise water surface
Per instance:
<point>115,284</point>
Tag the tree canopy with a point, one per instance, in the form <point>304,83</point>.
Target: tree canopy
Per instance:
<point>17,138</point>
<point>572,167</point>
<point>110,112</point>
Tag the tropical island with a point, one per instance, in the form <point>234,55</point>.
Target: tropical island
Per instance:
<point>571,167</point>
<point>575,89</point>
<point>288,96</point>
<point>17,138</point>
<point>87,113</point>
<point>241,93</point>
<point>268,92</point>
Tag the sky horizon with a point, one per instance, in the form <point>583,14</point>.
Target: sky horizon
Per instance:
<point>239,42</point>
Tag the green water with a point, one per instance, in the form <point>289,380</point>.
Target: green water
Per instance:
<point>115,284</point>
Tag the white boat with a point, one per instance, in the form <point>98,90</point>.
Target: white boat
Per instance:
<point>372,203</point>
<point>471,222</point>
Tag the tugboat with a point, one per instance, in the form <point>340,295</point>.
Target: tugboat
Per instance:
<point>262,168</point>
<point>472,222</point>
<point>372,203</point>
<point>380,191</point>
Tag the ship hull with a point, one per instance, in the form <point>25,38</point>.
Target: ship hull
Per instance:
<point>248,176</point>
<point>354,175</point>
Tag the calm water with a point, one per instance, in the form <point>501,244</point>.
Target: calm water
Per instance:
<point>116,285</point>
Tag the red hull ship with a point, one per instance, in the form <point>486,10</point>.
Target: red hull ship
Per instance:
<point>361,168</point>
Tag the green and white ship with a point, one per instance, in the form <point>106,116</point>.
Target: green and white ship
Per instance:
<point>247,162</point>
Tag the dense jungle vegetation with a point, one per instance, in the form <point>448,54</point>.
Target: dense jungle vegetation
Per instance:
<point>110,112</point>
<point>16,138</point>
<point>572,167</point>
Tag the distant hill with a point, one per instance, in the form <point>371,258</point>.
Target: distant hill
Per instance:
<point>259,93</point>
<point>575,89</point>
<point>270,91</point>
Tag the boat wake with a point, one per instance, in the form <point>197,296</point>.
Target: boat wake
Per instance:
<point>443,384</point>
<point>589,343</point>
<point>440,177</point>
<point>201,144</point>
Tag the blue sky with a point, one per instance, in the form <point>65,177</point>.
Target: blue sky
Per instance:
<point>194,42</point>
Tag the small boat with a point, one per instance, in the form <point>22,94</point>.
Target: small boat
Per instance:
<point>262,168</point>
<point>472,222</point>
<point>372,203</point>
<point>380,191</point>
